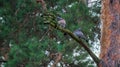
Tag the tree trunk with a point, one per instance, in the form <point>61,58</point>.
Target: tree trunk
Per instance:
<point>110,34</point>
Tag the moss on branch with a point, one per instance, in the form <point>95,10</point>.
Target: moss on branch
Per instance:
<point>94,57</point>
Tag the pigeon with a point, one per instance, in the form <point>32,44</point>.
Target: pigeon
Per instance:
<point>61,22</point>
<point>80,34</point>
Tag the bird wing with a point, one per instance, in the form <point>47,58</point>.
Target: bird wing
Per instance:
<point>79,34</point>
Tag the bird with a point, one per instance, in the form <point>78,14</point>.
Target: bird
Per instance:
<point>78,32</point>
<point>61,22</point>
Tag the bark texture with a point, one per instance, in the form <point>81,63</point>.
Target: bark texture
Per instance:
<point>110,34</point>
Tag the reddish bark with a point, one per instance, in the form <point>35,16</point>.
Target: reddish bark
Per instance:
<point>110,40</point>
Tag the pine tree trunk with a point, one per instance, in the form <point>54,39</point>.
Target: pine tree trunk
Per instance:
<point>110,34</point>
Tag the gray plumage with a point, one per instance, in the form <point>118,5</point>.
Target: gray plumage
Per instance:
<point>79,34</point>
<point>61,22</point>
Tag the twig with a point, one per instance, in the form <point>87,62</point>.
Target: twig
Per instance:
<point>3,61</point>
<point>44,35</point>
